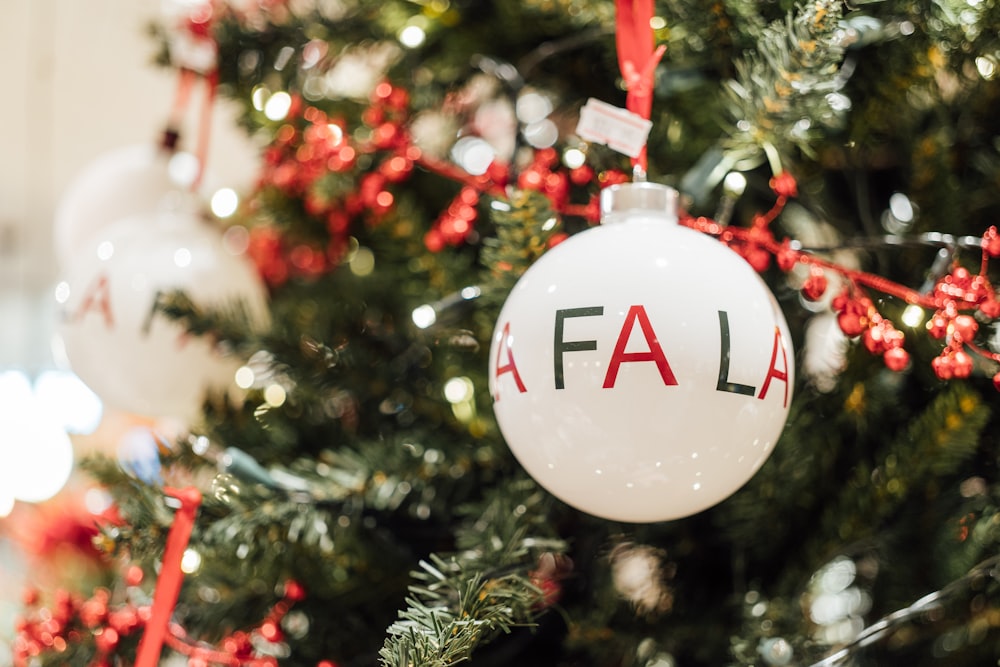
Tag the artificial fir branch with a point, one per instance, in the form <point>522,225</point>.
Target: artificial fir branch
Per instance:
<point>484,589</point>
<point>780,96</point>
<point>523,224</point>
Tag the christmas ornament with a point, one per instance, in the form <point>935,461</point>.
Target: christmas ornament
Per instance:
<point>641,371</point>
<point>115,339</point>
<point>119,184</point>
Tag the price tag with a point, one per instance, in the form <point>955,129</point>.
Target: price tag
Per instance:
<point>618,129</point>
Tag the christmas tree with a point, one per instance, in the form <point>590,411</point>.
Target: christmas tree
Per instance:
<point>357,503</point>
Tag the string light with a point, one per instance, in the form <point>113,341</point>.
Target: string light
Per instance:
<point>278,105</point>
<point>224,202</point>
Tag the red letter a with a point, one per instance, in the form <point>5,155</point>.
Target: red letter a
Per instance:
<point>773,372</point>
<point>510,366</point>
<point>98,296</point>
<point>655,353</point>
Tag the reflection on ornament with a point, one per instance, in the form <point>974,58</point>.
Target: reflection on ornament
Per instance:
<point>115,338</point>
<point>641,371</point>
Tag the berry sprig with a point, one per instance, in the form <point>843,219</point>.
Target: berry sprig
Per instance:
<point>104,626</point>
<point>959,300</point>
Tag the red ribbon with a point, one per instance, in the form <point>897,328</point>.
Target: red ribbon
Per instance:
<point>168,586</point>
<point>199,25</point>
<point>637,58</point>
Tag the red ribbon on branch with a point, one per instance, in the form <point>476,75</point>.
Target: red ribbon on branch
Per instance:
<point>168,586</point>
<point>637,59</point>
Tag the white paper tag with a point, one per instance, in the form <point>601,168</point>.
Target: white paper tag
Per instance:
<point>618,129</point>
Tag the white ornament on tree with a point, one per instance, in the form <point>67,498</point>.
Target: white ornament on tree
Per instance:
<point>132,356</point>
<point>641,371</point>
<point>119,184</point>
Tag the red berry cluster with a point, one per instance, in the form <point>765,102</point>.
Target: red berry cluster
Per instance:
<point>857,316</point>
<point>954,297</point>
<point>72,620</point>
<point>102,625</point>
<point>310,152</point>
<point>955,291</point>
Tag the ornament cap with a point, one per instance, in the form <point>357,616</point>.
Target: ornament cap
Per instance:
<point>626,200</point>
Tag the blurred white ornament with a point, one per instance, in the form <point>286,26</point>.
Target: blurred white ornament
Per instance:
<point>115,340</point>
<point>119,184</point>
<point>641,371</point>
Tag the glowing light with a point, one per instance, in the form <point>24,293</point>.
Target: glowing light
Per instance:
<point>336,133</point>
<point>424,316</point>
<point>913,315</point>
<point>224,202</point>
<point>657,23</point>
<point>574,158</point>
<point>987,67</point>
<point>735,183</point>
<point>62,292</point>
<point>278,105</point>
<point>473,154</point>
<point>182,257</point>
<point>532,107</point>
<point>470,292</point>
<point>274,395</point>
<point>458,389</point>
<point>542,134</point>
<point>363,262</point>
<point>259,97</point>
<point>901,207</point>
<point>412,36</point>
<point>76,408</point>
<point>190,561</point>
<point>38,458</point>
<point>244,377</point>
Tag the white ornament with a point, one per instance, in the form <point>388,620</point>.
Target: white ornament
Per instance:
<point>119,184</point>
<point>133,357</point>
<point>641,371</point>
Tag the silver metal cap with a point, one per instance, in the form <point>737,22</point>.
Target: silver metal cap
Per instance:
<point>638,199</point>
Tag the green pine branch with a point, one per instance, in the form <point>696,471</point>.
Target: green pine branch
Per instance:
<point>781,96</point>
<point>484,589</point>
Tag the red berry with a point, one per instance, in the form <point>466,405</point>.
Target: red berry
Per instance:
<point>873,339</point>
<point>992,241</point>
<point>784,185</point>
<point>944,367</point>
<point>896,359</point>
<point>106,640</point>
<point>134,575</point>
<point>852,324</point>
<point>294,591</point>
<point>787,258</point>
<point>758,258</point>
<point>815,285</point>
<point>962,364</point>
<point>965,326</point>
<point>937,326</point>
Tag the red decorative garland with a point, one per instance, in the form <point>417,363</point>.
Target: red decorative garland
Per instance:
<point>955,298</point>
